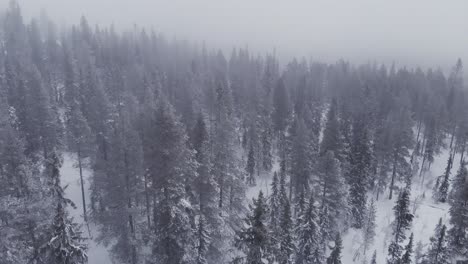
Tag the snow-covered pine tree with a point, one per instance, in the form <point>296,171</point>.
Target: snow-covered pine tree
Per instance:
<point>267,156</point>
<point>358,174</point>
<point>431,146</point>
<point>331,135</point>
<point>285,237</point>
<point>401,224</point>
<point>207,191</point>
<point>203,241</point>
<point>79,140</point>
<point>274,201</point>
<point>368,229</point>
<point>22,191</point>
<point>401,138</point>
<point>374,258</point>
<point>437,252</point>
<point>332,193</point>
<point>253,239</point>
<point>458,200</point>
<point>441,192</point>
<point>250,167</point>
<point>335,255</point>
<point>418,253</point>
<point>65,242</point>
<point>301,159</point>
<point>173,167</point>
<point>280,114</point>
<point>308,235</point>
<point>226,164</point>
<point>408,255</point>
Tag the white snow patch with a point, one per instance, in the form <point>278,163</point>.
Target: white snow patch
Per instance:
<point>97,253</point>
<point>426,216</point>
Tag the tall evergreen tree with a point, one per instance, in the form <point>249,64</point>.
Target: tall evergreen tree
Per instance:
<point>458,200</point>
<point>301,159</point>
<point>173,167</point>
<point>253,238</point>
<point>274,203</point>
<point>335,255</point>
<point>407,256</point>
<point>331,135</point>
<point>250,167</point>
<point>401,224</point>
<point>207,191</point>
<point>281,106</point>
<point>203,240</point>
<point>358,175</point>
<point>267,157</point>
<point>374,258</point>
<point>308,235</point>
<point>438,250</point>
<point>333,193</point>
<point>441,192</point>
<point>286,245</point>
<point>65,242</point>
<point>368,230</point>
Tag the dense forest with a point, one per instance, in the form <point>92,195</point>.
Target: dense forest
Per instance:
<point>176,134</point>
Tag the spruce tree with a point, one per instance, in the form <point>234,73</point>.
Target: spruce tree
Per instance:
<point>368,230</point>
<point>267,157</point>
<point>358,175</point>
<point>173,166</point>
<point>407,256</point>
<point>438,250</point>
<point>206,193</point>
<point>401,224</point>
<point>281,106</point>
<point>335,255</point>
<point>442,190</point>
<point>401,138</point>
<point>65,243</point>
<point>301,158</point>
<point>331,135</point>
<point>274,202</point>
<point>253,238</point>
<point>418,253</point>
<point>308,235</point>
<point>458,200</point>
<point>203,241</point>
<point>250,167</point>
<point>286,245</point>
<point>374,258</point>
<point>332,193</point>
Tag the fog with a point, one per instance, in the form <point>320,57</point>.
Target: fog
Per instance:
<point>423,32</point>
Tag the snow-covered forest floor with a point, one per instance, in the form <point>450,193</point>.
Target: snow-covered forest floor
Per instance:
<point>97,253</point>
<point>426,212</point>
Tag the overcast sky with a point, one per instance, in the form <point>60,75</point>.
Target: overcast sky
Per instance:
<point>408,32</point>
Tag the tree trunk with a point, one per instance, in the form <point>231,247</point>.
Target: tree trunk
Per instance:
<point>417,141</point>
<point>80,166</point>
<point>147,201</point>
<point>462,153</point>
<point>392,183</point>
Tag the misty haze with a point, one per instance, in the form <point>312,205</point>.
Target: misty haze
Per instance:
<point>233,132</point>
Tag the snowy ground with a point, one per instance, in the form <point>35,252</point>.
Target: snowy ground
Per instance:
<point>97,253</point>
<point>427,213</point>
